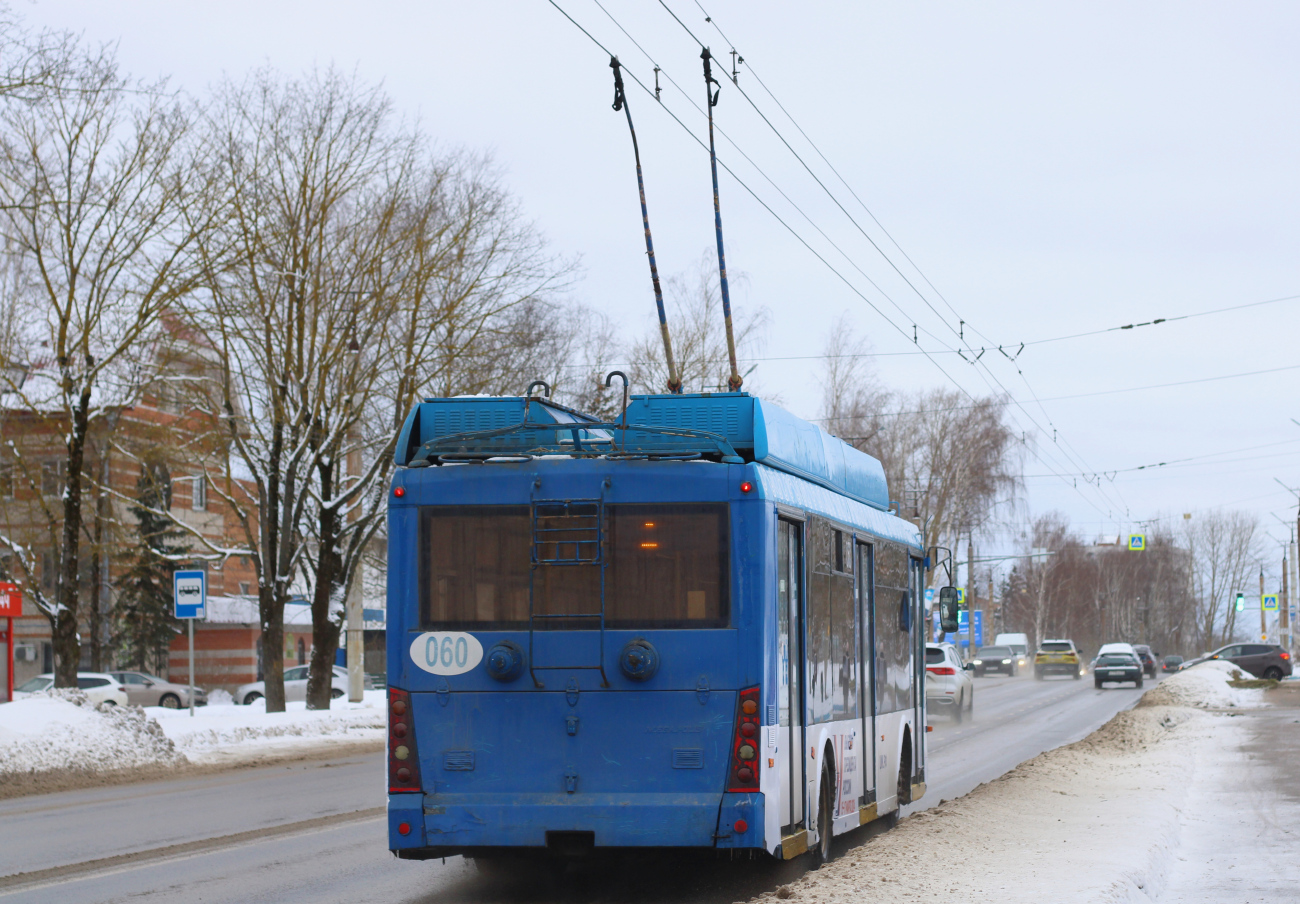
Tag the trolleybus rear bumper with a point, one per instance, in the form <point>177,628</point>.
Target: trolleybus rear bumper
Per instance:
<point>445,824</point>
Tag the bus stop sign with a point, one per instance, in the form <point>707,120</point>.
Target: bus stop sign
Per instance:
<point>189,593</point>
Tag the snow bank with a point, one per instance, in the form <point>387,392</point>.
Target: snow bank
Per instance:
<point>57,739</point>
<point>1096,821</point>
<point>222,733</point>
<point>61,730</point>
<point>1205,686</point>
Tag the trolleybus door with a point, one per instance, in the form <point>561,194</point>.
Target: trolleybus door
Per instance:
<point>865,599</point>
<point>915,583</point>
<point>790,668</point>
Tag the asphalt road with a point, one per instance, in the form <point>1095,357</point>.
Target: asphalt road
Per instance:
<point>315,833</point>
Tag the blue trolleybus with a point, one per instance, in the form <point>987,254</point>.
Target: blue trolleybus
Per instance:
<point>699,627</point>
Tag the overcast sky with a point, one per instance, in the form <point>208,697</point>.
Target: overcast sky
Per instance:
<point>1051,168</point>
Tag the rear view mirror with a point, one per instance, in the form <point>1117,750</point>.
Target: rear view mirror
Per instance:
<point>948,609</point>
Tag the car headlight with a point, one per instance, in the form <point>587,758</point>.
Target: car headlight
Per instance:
<point>977,662</point>
<point>1006,662</point>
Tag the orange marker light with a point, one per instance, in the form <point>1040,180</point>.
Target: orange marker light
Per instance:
<point>649,524</point>
<point>649,545</point>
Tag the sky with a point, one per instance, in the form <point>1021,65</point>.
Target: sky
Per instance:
<point>1028,171</point>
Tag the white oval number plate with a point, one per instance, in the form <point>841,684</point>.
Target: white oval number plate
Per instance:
<point>446,652</point>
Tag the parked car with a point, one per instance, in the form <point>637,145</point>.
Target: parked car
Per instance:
<point>1019,644</point>
<point>295,686</point>
<point>144,689</point>
<point>948,684</point>
<point>99,688</point>
<point>1171,663</point>
<point>1116,665</point>
<point>1263,660</point>
<point>1149,664</point>
<point>1060,657</point>
<point>995,659</point>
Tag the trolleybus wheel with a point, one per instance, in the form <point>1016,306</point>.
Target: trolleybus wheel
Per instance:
<point>825,821</point>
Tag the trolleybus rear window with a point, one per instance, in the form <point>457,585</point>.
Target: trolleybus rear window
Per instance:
<point>666,566</point>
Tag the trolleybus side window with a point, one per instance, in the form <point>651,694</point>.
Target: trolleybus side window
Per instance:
<point>667,566</point>
<point>893,644</point>
<point>832,628</point>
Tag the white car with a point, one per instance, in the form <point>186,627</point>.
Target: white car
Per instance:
<point>948,684</point>
<point>295,686</point>
<point>99,688</point>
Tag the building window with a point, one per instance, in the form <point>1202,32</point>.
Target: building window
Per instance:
<point>8,479</point>
<point>47,572</point>
<point>243,588</point>
<point>302,652</point>
<point>54,477</point>
<point>199,495</point>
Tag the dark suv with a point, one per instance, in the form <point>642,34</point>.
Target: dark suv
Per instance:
<point>1263,660</point>
<point>1149,665</point>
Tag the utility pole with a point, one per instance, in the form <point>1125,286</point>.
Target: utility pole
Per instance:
<point>1263,624</point>
<point>1283,615</point>
<point>356,638</point>
<point>970,581</point>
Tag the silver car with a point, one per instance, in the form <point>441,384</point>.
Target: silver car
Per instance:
<point>144,689</point>
<point>295,686</point>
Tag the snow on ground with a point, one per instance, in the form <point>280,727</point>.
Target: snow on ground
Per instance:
<point>1103,820</point>
<point>59,734</point>
<point>227,733</point>
<point>1205,685</point>
<point>61,730</point>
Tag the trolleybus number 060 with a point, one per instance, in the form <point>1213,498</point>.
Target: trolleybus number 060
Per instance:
<point>446,652</point>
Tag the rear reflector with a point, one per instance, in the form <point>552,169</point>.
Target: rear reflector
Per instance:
<point>744,746</point>
<point>403,761</point>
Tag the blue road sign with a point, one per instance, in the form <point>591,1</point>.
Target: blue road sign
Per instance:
<point>1269,602</point>
<point>1137,542</point>
<point>978,616</point>
<point>189,593</point>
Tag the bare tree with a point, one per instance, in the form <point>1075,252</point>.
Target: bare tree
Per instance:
<point>950,458</point>
<point>354,271</point>
<point>1224,551</point>
<point>92,178</point>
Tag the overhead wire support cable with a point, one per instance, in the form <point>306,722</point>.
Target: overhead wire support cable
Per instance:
<point>799,238</point>
<point>620,103</point>
<point>958,332</point>
<point>711,92</point>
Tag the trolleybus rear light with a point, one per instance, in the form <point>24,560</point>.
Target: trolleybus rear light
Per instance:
<point>744,753</point>
<point>741,826</point>
<point>746,487</point>
<point>403,760</point>
<point>404,828</point>
<point>399,492</point>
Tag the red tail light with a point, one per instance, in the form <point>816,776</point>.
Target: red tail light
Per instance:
<point>744,747</point>
<point>1285,655</point>
<point>403,761</point>
<point>942,670</point>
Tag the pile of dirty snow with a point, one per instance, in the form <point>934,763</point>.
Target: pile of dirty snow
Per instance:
<point>1205,686</point>
<point>226,733</point>
<point>1096,821</point>
<point>61,730</point>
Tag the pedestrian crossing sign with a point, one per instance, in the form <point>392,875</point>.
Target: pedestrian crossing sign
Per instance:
<point>1269,602</point>
<point>1137,542</point>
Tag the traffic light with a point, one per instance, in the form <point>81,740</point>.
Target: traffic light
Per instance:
<point>1241,601</point>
